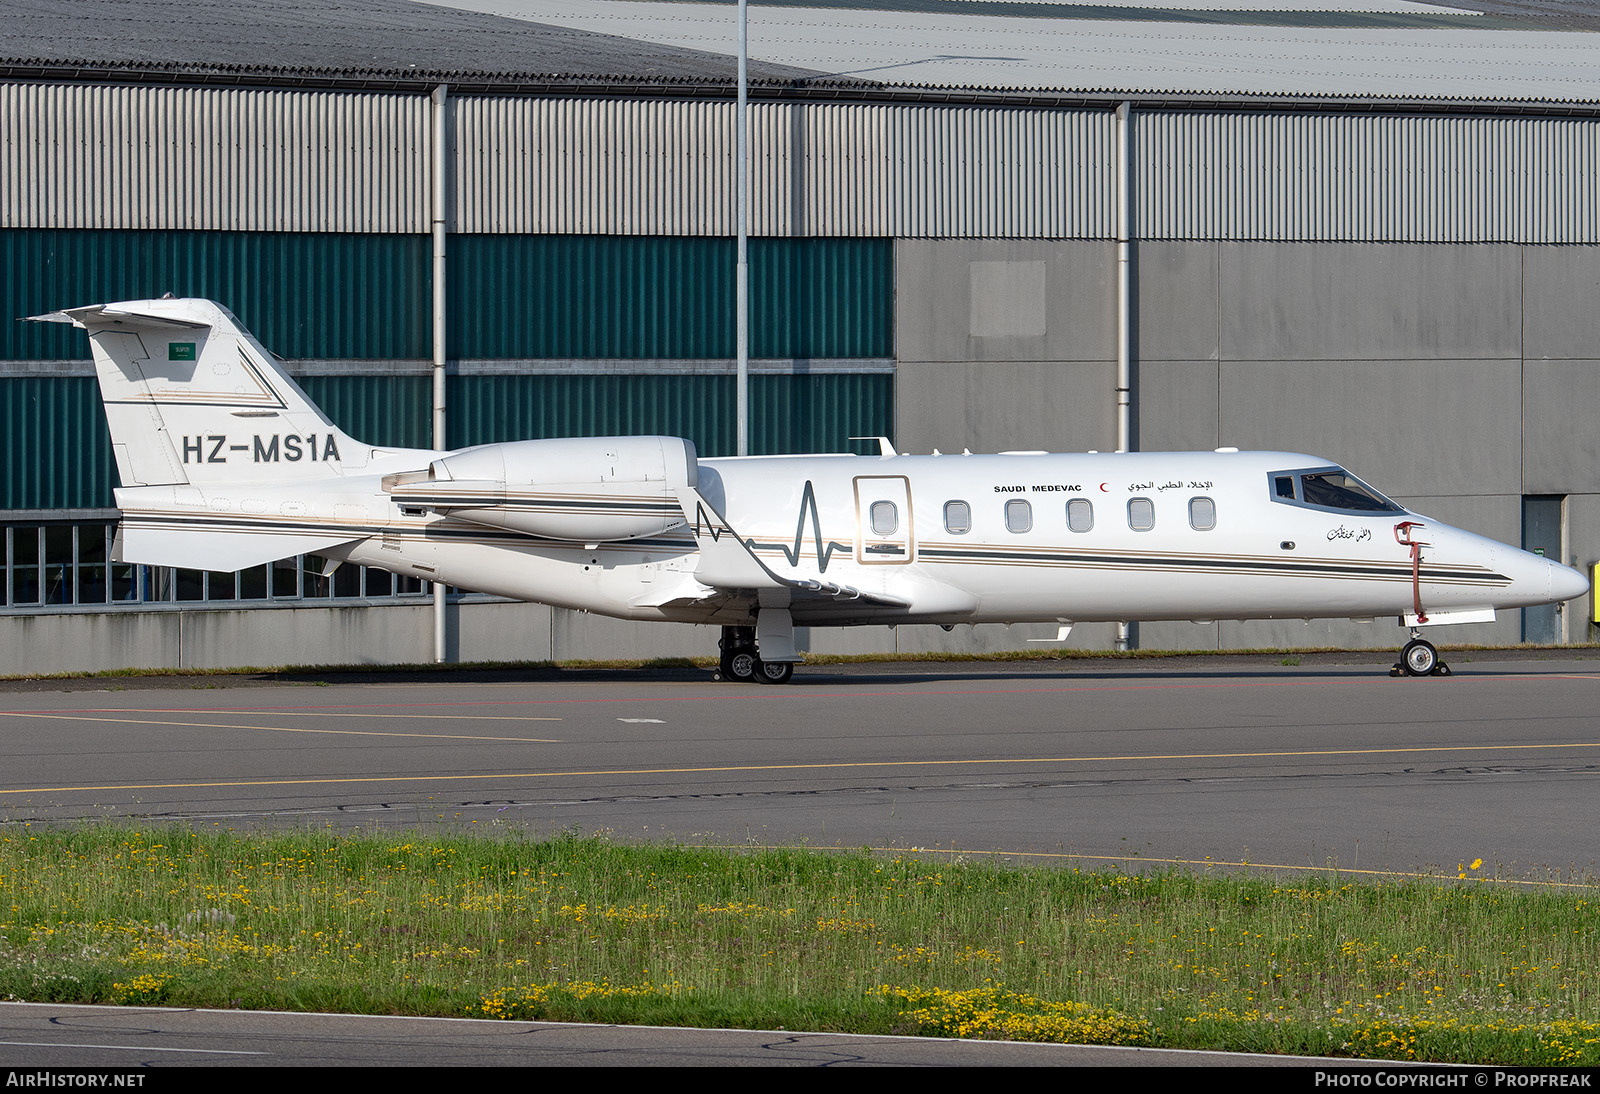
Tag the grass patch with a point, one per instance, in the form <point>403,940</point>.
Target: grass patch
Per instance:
<point>585,929</point>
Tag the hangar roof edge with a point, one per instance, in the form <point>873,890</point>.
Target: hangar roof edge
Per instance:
<point>416,80</point>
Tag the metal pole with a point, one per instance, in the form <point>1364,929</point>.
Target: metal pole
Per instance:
<point>742,274</point>
<point>441,95</point>
<point>1126,635</point>
<point>1124,283</point>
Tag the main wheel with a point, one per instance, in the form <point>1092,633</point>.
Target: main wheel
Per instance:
<point>739,665</point>
<point>1419,657</point>
<point>774,672</point>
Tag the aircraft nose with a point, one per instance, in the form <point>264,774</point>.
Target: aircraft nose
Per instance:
<point>1565,582</point>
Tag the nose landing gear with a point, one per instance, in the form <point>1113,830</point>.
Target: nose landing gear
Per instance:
<point>1420,658</point>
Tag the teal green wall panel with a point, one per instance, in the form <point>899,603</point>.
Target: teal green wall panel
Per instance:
<point>787,413</point>
<point>821,298</point>
<point>302,294</point>
<point>367,297</point>
<point>396,411</point>
<point>54,443</point>
<point>562,297</point>
<point>329,296</point>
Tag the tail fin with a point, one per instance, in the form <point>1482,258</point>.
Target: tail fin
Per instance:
<point>192,398</point>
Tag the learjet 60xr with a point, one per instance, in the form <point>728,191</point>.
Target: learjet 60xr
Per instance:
<point>226,464</point>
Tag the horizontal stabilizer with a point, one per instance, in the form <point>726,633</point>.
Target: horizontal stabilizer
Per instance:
<point>110,315</point>
<point>181,526</point>
<point>154,543</point>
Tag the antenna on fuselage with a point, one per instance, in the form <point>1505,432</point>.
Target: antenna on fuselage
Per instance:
<point>885,445</point>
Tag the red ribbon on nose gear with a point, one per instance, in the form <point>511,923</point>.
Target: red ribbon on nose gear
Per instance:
<point>1402,536</point>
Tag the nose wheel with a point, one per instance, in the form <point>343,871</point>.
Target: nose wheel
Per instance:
<point>1420,658</point>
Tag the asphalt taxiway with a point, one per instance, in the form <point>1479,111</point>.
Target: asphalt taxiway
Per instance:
<point>121,1040</point>
<point>1195,761</point>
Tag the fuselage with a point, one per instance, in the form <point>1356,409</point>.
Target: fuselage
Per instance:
<point>1016,538</point>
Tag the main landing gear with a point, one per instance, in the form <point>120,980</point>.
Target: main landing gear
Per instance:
<point>741,664</point>
<point>1419,658</point>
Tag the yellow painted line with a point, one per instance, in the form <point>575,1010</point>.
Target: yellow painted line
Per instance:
<point>273,729</point>
<point>783,767</point>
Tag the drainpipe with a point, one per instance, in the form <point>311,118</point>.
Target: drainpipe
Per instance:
<point>1126,635</point>
<point>440,97</point>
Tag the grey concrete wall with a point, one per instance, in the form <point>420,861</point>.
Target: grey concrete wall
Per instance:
<point>1005,344</point>
<point>1561,426</point>
<point>1403,362</point>
<point>1406,426</point>
<point>199,638</point>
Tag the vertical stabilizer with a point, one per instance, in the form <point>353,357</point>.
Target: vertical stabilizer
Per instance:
<point>192,398</point>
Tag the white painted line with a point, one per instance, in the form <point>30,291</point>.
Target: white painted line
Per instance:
<point>134,1048</point>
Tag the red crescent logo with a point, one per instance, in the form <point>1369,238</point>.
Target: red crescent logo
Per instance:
<point>1103,489</point>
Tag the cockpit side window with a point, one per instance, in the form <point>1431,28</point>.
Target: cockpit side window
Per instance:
<point>1337,490</point>
<point>1331,488</point>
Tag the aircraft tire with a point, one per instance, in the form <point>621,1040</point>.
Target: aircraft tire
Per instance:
<point>1419,658</point>
<point>740,665</point>
<point>774,672</point>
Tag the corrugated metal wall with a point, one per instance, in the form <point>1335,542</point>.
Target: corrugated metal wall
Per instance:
<point>1362,178</point>
<point>366,297</point>
<point>396,411</point>
<point>304,295</point>
<point>235,159</point>
<point>790,413</point>
<point>541,296</point>
<point>655,167</point>
<point>54,445</point>
<point>223,159</point>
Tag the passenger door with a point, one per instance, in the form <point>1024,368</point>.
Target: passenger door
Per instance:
<point>884,524</point>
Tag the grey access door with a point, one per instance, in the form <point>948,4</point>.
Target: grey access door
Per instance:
<point>1541,534</point>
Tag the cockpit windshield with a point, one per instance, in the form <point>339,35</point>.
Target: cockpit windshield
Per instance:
<point>1330,488</point>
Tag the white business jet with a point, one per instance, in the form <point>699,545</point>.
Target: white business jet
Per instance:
<point>226,464</point>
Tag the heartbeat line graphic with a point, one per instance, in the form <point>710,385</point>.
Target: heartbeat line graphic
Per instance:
<point>808,504</point>
<point>824,552</point>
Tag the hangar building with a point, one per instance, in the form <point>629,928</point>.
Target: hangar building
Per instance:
<point>1368,230</point>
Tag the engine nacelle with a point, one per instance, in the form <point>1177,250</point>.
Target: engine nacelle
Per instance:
<point>583,489</point>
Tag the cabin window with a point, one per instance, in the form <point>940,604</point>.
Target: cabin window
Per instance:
<point>885,518</point>
<point>1019,515</point>
<point>1202,514</point>
<point>957,518</point>
<point>1141,514</point>
<point>1080,514</point>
